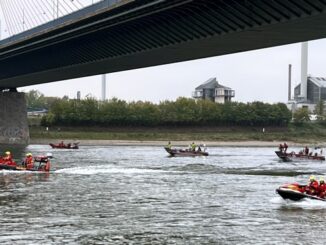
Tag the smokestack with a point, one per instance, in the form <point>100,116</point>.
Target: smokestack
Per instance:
<point>103,87</point>
<point>304,69</point>
<point>289,84</point>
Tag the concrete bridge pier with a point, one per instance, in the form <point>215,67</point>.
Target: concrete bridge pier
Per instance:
<point>13,118</point>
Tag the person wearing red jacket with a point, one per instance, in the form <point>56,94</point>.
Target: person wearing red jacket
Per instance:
<point>322,188</point>
<point>29,161</point>
<point>7,159</point>
<point>313,186</point>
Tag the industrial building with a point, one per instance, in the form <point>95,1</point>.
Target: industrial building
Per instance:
<point>311,89</point>
<point>316,90</point>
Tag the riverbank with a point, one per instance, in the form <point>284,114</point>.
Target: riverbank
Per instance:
<point>311,134</point>
<point>174,143</point>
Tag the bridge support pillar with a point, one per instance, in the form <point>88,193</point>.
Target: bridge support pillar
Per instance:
<point>13,118</point>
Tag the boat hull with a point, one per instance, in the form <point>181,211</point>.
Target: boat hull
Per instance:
<point>186,153</point>
<point>293,156</point>
<point>295,195</point>
<point>54,146</point>
<point>19,168</point>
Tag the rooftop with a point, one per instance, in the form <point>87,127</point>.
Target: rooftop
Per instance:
<point>319,81</point>
<point>213,83</point>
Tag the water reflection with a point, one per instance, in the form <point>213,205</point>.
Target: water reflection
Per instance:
<point>15,180</point>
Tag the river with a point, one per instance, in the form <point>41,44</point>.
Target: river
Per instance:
<point>139,195</point>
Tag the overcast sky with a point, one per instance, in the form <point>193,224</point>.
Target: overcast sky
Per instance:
<point>259,75</point>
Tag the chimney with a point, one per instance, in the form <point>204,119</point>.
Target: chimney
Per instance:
<point>289,84</point>
<point>103,87</point>
<point>304,68</point>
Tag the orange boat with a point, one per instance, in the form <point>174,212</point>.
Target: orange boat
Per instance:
<point>295,192</point>
<point>289,156</point>
<point>64,146</point>
<point>41,164</point>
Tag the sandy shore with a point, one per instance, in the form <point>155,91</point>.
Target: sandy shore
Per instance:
<point>163,143</point>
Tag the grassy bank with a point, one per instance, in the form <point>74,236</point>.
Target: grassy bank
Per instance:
<point>310,132</point>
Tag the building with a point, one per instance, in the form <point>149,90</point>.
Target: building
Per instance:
<point>316,90</point>
<point>311,89</point>
<point>212,90</point>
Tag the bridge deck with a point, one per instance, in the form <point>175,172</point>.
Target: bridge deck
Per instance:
<point>135,34</point>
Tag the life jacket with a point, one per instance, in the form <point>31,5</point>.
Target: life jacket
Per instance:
<point>322,186</point>
<point>322,189</point>
<point>29,161</point>
<point>7,158</point>
<point>313,187</point>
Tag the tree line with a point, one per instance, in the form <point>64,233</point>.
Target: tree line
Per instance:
<point>182,112</point>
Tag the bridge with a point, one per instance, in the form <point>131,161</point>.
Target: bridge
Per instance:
<point>112,36</point>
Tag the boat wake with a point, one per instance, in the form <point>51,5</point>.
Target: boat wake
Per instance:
<point>91,170</point>
<point>305,203</point>
<point>269,172</point>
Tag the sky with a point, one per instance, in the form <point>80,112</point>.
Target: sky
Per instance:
<point>259,75</point>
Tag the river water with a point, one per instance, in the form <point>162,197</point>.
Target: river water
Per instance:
<point>139,195</point>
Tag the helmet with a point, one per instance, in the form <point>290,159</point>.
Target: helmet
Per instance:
<point>321,180</point>
<point>29,154</point>
<point>312,178</point>
<point>7,152</point>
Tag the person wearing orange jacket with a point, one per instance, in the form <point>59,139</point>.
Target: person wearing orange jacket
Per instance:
<point>313,186</point>
<point>29,161</point>
<point>322,188</point>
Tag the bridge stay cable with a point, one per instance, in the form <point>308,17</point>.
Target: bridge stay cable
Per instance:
<point>22,15</point>
<point>42,16</point>
<point>5,15</point>
<point>8,18</point>
<point>29,20</point>
<point>12,17</point>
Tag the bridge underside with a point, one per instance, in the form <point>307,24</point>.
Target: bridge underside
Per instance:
<point>137,34</point>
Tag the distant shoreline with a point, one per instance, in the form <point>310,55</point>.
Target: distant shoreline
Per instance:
<point>174,143</point>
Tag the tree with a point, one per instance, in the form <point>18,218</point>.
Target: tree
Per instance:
<point>319,109</point>
<point>301,115</point>
<point>35,99</point>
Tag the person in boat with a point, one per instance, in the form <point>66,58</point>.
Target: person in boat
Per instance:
<point>285,145</point>
<point>313,186</point>
<point>61,144</point>
<point>280,147</point>
<point>7,159</point>
<point>169,145</point>
<point>8,156</point>
<point>44,161</point>
<point>322,188</point>
<point>193,146</point>
<point>29,161</point>
<point>47,165</point>
<point>306,150</point>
